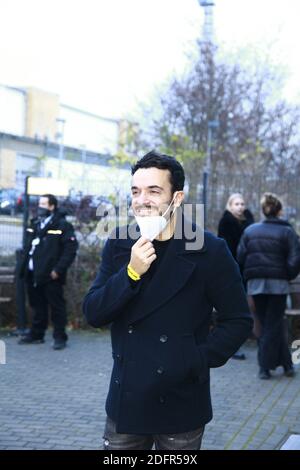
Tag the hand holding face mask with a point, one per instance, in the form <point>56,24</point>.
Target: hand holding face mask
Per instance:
<point>142,256</point>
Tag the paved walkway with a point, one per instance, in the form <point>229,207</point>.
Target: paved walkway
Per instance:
<point>55,399</point>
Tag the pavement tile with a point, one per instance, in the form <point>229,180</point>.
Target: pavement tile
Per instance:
<point>48,403</point>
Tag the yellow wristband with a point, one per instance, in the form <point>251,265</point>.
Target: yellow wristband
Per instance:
<point>133,274</point>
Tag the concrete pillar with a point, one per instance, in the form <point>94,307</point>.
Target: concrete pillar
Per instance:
<point>41,113</point>
<point>7,168</point>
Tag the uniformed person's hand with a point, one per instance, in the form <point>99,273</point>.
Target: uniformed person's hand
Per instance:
<point>54,275</point>
<point>142,256</point>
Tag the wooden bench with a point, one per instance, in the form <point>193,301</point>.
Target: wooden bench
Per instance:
<point>7,279</point>
<point>5,300</point>
<point>293,314</point>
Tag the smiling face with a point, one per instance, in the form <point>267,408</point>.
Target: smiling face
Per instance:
<point>237,206</point>
<point>152,192</point>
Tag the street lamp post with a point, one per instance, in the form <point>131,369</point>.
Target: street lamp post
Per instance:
<point>207,33</point>
<point>83,163</point>
<point>60,135</point>
<point>211,125</point>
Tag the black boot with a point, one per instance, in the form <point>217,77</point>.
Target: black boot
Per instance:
<point>264,374</point>
<point>289,371</point>
<point>31,339</point>
<point>59,343</point>
<point>239,356</point>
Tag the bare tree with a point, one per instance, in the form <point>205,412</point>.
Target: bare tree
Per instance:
<point>256,131</point>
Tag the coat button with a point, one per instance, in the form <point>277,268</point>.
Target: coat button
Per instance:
<point>117,382</point>
<point>163,339</point>
<point>130,329</point>
<point>162,400</point>
<point>160,370</point>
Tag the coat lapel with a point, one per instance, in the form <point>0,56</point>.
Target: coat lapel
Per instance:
<point>174,271</point>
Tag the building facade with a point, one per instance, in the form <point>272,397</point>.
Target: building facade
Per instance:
<point>40,136</point>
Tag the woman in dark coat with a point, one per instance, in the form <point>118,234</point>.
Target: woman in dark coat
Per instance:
<point>270,255</point>
<point>234,221</point>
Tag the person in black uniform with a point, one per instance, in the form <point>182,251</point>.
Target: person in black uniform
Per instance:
<point>50,249</point>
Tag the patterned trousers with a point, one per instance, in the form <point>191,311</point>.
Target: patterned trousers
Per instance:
<point>183,441</point>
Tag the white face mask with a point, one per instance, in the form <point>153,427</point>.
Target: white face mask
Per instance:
<point>151,226</point>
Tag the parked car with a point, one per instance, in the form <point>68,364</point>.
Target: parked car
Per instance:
<point>84,208</point>
<point>93,208</point>
<point>33,203</point>
<point>9,201</point>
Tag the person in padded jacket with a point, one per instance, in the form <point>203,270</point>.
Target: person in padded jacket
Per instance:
<point>269,253</point>
<point>49,251</point>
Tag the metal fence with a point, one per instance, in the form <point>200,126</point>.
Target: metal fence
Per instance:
<point>82,207</point>
<point>252,187</point>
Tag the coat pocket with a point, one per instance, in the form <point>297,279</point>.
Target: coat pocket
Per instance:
<point>194,360</point>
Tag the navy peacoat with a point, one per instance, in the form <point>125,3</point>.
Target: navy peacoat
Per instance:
<point>162,342</point>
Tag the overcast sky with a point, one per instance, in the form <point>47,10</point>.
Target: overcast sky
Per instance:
<point>107,55</point>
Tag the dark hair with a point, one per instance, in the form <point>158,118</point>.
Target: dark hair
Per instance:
<point>161,161</point>
<point>52,200</point>
<point>270,205</point>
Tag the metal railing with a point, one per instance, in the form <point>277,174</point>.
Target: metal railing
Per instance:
<point>84,208</point>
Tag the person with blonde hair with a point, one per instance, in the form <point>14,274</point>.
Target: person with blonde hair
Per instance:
<point>234,221</point>
<point>269,252</point>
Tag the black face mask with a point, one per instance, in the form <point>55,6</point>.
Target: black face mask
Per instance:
<point>43,213</point>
